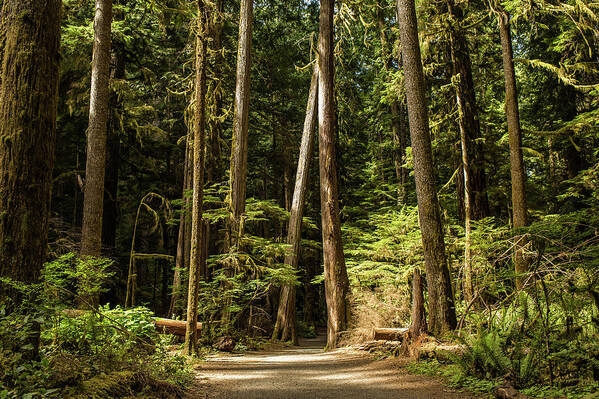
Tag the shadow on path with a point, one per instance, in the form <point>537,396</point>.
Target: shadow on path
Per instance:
<point>306,372</point>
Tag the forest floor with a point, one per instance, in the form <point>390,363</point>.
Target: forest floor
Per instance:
<point>307,372</point>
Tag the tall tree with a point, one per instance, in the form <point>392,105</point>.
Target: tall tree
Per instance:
<point>442,317</point>
<point>475,204</point>
<point>95,168</point>
<point>520,217</point>
<point>183,234</point>
<point>285,324</point>
<point>469,123</point>
<point>29,60</point>
<point>199,138</point>
<point>239,145</point>
<point>335,273</point>
<point>398,126</point>
<point>110,212</point>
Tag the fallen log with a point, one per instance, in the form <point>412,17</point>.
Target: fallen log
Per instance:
<point>379,346</point>
<point>388,334</point>
<point>164,326</point>
<point>175,327</point>
<point>440,351</point>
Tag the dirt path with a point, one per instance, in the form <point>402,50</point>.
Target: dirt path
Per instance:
<point>306,372</point>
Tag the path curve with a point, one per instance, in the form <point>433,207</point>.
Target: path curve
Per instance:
<point>307,372</point>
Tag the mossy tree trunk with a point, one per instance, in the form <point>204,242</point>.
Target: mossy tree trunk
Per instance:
<point>95,168</point>
<point>335,273</point>
<point>441,308</point>
<point>29,48</point>
<point>285,325</point>
<point>199,138</point>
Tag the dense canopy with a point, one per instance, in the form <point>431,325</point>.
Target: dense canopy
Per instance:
<point>283,169</point>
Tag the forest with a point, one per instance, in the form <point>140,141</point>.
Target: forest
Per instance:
<point>299,199</point>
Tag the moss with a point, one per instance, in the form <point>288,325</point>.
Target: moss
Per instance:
<point>112,385</point>
<point>123,384</point>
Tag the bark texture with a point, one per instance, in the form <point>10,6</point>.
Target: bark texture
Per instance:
<point>520,218</point>
<point>478,201</point>
<point>335,273</point>
<point>184,233</point>
<point>239,148</point>
<point>398,127</point>
<point>239,145</point>
<point>113,149</point>
<point>442,317</point>
<point>95,168</point>
<point>285,324</point>
<point>29,60</point>
<point>418,312</point>
<point>199,138</point>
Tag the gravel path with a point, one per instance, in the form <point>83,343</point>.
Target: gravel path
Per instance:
<point>306,372</point>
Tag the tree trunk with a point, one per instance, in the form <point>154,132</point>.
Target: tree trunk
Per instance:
<point>93,200</point>
<point>214,169</point>
<point>475,201</point>
<point>418,312</point>
<point>113,157</point>
<point>239,146</point>
<point>199,127</point>
<point>285,324</point>
<point>29,60</point>
<point>399,128</point>
<point>182,237</point>
<point>469,122</point>
<point>515,138</point>
<point>441,304</point>
<point>335,273</point>
<point>187,202</point>
<point>397,122</point>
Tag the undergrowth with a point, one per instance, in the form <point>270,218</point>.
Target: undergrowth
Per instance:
<point>99,352</point>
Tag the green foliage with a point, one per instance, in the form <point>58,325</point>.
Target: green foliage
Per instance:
<point>489,357</point>
<point>546,335</point>
<point>71,273</point>
<point>87,353</point>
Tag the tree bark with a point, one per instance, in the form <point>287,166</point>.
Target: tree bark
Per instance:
<point>388,334</point>
<point>29,60</point>
<point>397,122</point>
<point>239,146</point>
<point>199,137</point>
<point>418,312</point>
<point>336,281</point>
<point>183,235</point>
<point>469,122</point>
<point>175,327</point>
<point>520,218</point>
<point>113,155</point>
<point>214,169</point>
<point>441,304</point>
<point>239,149</point>
<point>475,201</point>
<point>285,324</point>
<point>93,200</point>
